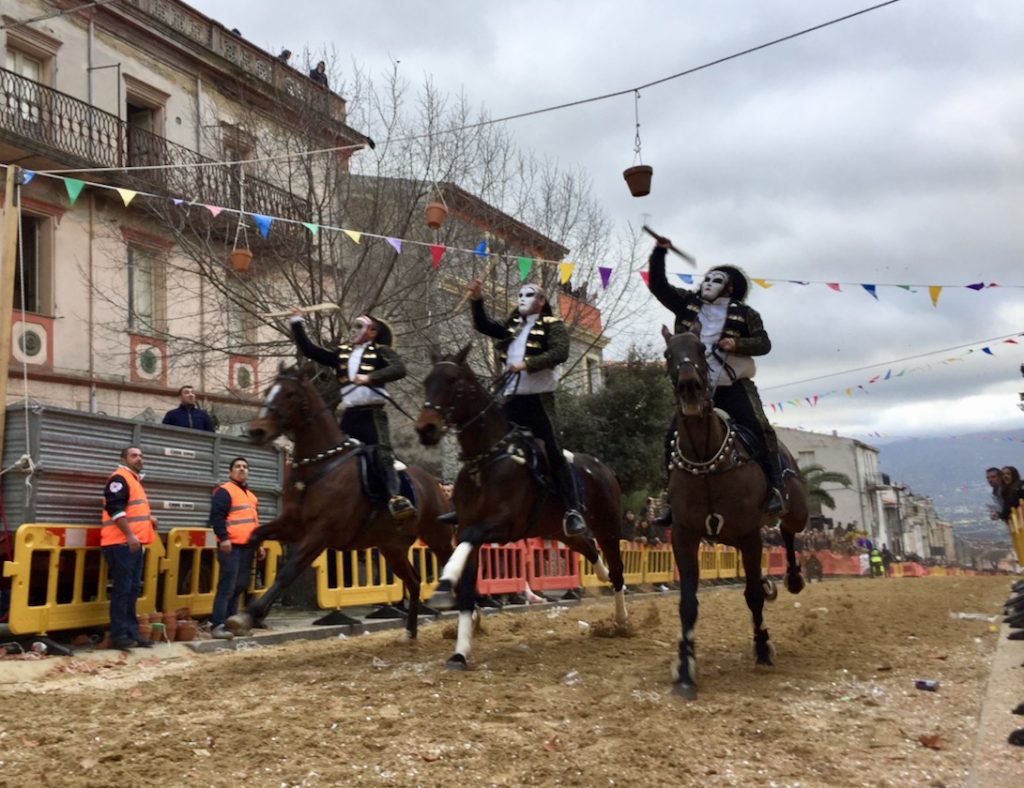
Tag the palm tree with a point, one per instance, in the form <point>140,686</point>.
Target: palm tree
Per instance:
<point>815,477</point>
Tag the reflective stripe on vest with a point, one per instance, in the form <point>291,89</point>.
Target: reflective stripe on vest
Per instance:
<point>243,516</point>
<point>136,513</point>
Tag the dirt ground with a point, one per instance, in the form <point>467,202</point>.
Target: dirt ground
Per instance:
<point>548,702</point>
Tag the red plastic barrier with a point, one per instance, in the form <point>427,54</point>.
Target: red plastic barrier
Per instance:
<point>551,566</point>
<point>502,569</point>
<point>913,570</point>
<point>776,561</point>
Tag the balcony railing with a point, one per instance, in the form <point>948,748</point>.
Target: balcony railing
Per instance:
<point>60,126</point>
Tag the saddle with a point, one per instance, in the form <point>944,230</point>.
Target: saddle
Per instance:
<point>524,447</point>
<point>753,442</point>
<point>372,480</point>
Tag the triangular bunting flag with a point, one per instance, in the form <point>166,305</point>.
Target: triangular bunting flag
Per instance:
<point>933,291</point>
<point>992,284</point>
<point>74,187</point>
<point>26,176</point>
<point>481,249</point>
<point>313,228</point>
<point>646,276</point>
<point>976,286</point>
<point>1010,342</point>
<point>888,374</point>
<point>436,251</point>
<point>815,400</point>
<point>395,243</point>
<point>127,195</point>
<point>263,224</point>
<point>355,235</point>
<point>764,283</point>
<point>177,200</point>
<point>872,290</point>
<point>606,275</point>
<point>798,282</point>
<point>772,406</point>
<point>565,272</point>
<point>849,392</point>
<point>214,210</point>
<point>987,350</point>
<point>833,285</point>
<point>525,266</point>
<point>687,278</point>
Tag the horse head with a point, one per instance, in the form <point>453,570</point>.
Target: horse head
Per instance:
<point>287,405</point>
<point>688,371</point>
<point>447,403</point>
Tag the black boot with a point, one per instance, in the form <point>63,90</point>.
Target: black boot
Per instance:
<point>573,523</point>
<point>449,518</point>
<point>399,506</point>
<point>776,501</point>
<point>664,519</point>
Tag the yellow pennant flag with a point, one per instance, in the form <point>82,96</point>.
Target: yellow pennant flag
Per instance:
<point>764,283</point>
<point>127,195</point>
<point>933,291</point>
<point>849,392</point>
<point>355,236</point>
<point>565,272</point>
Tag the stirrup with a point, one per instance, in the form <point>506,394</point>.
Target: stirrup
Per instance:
<point>776,503</point>
<point>573,523</point>
<point>449,518</point>
<point>400,507</point>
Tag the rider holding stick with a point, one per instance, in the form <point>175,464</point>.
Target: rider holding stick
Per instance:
<point>531,343</point>
<point>363,366</point>
<point>732,333</point>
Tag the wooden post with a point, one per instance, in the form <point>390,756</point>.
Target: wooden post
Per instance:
<point>9,259</point>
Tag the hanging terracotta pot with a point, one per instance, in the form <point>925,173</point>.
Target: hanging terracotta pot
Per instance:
<point>436,214</point>
<point>240,260</point>
<point>638,179</point>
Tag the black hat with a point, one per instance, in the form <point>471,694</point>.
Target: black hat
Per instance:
<point>385,336</point>
<point>739,280</point>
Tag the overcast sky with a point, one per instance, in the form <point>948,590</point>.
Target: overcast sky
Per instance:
<point>888,150</point>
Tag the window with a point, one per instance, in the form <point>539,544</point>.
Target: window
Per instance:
<point>806,459</point>
<point>34,250</point>
<point>143,290</point>
<point>24,99</point>
<point>241,325</point>
<point>593,375</point>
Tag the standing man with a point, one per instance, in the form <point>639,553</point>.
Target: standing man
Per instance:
<point>188,414</point>
<point>233,517</point>
<point>128,526</point>
<point>994,477</point>
<point>732,334</point>
<point>363,367</point>
<point>531,343</point>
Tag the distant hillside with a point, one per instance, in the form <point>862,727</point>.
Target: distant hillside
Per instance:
<point>952,471</point>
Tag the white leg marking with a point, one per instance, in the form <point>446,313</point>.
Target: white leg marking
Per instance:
<point>464,641</point>
<point>453,569</point>
<point>601,570</point>
<point>620,607</point>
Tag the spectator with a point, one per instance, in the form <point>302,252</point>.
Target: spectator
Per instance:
<point>319,74</point>
<point>285,56</point>
<point>188,414</point>
<point>887,559</point>
<point>447,488</point>
<point>128,526</point>
<point>234,515</point>
<point>1013,492</point>
<point>628,531</point>
<point>994,477</point>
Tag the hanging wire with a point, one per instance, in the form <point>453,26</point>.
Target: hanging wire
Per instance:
<point>637,158</point>
<point>241,228</point>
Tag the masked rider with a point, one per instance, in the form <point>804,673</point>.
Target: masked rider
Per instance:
<point>732,333</point>
<point>363,367</point>
<point>532,342</point>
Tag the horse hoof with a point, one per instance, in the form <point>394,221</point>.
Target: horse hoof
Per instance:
<point>685,691</point>
<point>795,582</point>
<point>239,624</point>
<point>456,662</point>
<point>771,591</point>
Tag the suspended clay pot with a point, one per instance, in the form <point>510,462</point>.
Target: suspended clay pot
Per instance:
<point>638,179</point>
<point>240,259</point>
<point>436,213</point>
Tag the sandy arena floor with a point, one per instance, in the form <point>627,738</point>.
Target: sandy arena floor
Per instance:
<point>547,702</point>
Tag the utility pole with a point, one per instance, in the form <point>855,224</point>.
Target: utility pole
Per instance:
<point>9,259</point>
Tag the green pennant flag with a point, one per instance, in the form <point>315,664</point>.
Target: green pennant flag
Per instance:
<point>74,187</point>
<point>525,266</point>
<point>313,228</point>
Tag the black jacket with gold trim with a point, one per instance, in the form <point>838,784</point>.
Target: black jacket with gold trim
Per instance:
<point>380,362</point>
<point>546,347</point>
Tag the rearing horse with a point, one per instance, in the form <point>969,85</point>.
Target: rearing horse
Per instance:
<point>496,496</point>
<point>716,491</point>
<point>324,504</point>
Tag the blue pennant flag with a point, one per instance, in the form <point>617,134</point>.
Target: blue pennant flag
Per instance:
<point>263,224</point>
<point>687,278</point>
<point>481,249</point>
<point>26,176</point>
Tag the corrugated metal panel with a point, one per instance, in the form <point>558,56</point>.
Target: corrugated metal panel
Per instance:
<point>75,452</point>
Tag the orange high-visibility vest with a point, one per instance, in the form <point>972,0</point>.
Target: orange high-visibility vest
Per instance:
<point>243,517</point>
<point>136,512</point>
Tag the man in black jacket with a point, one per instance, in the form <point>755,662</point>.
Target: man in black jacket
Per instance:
<point>188,414</point>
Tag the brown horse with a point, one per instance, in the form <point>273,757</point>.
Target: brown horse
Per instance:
<point>324,503</point>
<point>497,497</point>
<point>716,491</point>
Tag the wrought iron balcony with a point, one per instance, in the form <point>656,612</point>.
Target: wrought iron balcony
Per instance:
<point>58,126</point>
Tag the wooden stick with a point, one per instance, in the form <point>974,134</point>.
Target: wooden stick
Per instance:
<point>688,258</point>
<point>327,306</point>
<point>482,277</point>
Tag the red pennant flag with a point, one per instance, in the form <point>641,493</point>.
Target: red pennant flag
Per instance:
<point>646,275</point>
<point>833,285</point>
<point>436,251</point>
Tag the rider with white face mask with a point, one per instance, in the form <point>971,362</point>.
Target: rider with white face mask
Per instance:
<point>531,343</point>
<point>732,333</point>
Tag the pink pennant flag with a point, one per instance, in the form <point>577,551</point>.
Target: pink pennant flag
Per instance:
<point>1011,341</point>
<point>646,276</point>
<point>214,209</point>
<point>436,252</point>
<point>606,274</point>
<point>396,243</point>
<point>833,285</point>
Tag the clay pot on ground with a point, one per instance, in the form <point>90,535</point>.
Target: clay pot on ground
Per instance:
<point>638,179</point>
<point>240,259</point>
<point>182,614</point>
<point>159,633</point>
<point>170,625</point>
<point>155,617</point>
<point>436,213</point>
<point>145,631</point>
<point>186,631</point>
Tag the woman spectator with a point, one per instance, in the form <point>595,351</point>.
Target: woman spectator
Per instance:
<point>1012,492</point>
<point>628,525</point>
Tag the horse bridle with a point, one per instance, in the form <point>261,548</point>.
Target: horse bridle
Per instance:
<point>309,413</point>
<point>461,389</point>
<point>701,371</point>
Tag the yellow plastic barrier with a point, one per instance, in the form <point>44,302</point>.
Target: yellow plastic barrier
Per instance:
<point>59,579</point>
<point>1017,532</point>
<point>425,562</point>
<point>728,562</point>
<point>191,570</point>
<point>355,577</point>
<point>632,567</point>
<point>707,557</point>
<point>659,567</point>
<point>896,569</point>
